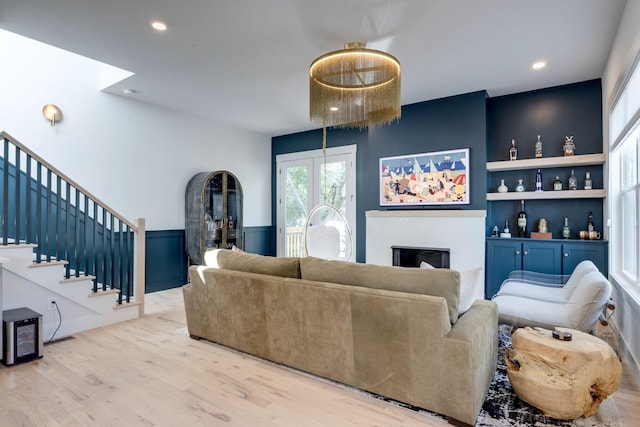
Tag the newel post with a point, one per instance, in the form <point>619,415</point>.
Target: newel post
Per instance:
<point>139,256</point>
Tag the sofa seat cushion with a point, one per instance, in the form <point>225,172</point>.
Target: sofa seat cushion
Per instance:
<point>253,263</point>
<point>435,282</point>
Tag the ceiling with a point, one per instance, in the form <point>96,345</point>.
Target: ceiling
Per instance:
<point>245,62</point>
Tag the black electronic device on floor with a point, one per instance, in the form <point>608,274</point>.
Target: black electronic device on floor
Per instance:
<point>22,338</point>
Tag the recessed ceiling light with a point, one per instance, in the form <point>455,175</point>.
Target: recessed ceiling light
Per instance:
<point>538,65</point>
<point>159,25</point>
<point>128,91</point>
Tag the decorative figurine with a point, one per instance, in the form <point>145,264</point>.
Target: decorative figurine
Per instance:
<point>513,150</point>
<point>538,148</point>
<point>569,147</point>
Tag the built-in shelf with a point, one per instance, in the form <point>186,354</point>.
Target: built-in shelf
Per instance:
<point>547,162</point>
<point>542,195</point>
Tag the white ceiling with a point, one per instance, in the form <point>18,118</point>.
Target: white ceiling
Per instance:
<point>245,62</point>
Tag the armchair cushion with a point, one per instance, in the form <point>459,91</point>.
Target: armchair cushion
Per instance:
<point>550,307</point>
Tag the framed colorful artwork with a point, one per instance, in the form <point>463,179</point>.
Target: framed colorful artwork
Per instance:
<point>437,178</point>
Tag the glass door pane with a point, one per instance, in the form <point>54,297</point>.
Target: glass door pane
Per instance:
<point>296,201</point>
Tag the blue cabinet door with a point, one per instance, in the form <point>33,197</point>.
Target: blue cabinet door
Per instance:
<point>542,257</point>
<point>503,256</point>
<point>575,252</point>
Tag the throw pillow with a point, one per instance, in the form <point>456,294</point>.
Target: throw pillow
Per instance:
<point>471,288</point>
<point>426,265</point>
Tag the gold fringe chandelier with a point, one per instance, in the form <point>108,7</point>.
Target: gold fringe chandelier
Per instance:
<point>354,88</point>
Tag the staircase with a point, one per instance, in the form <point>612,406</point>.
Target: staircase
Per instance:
<point>60,243</point>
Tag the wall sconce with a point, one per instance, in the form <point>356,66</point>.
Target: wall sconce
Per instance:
<point>52,113</point>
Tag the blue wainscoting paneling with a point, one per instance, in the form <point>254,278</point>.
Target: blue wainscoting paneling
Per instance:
<point>166,262</point>
<point>257,240</point>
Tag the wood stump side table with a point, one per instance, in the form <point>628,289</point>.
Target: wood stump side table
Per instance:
<point>564,379</point>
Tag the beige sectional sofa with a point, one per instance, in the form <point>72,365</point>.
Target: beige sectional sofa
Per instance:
<point>393,331</point>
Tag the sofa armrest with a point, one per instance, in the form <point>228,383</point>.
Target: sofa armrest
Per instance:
<point>472,346</point>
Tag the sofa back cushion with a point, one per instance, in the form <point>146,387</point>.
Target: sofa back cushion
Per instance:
<point>435,282</point>
<point>253,263</point>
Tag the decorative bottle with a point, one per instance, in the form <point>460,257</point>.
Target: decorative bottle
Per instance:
<point>590,226</point>
<point>520,186</point>
<point>506,232</point>
<point>538,151</point>
<point>502,188</point>
<point>513,150</point>
<point>588,182</point>
<point>573,181</point>
<point>566,231</point>
<point>557,184</point>
<point>539,180</point>
<point>522,221</point>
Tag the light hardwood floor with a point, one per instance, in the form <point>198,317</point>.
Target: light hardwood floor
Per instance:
<point>148,372</point>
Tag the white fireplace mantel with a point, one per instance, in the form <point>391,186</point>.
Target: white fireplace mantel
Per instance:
<point>462,231</point>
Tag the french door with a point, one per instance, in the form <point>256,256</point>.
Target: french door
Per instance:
<point>308,179</point>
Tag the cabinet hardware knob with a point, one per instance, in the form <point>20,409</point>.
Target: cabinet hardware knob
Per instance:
<point>517,252</point>
<point>566,254</point>
<point>526,253</point>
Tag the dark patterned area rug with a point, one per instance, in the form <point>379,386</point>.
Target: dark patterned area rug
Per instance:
<point>503,408</point>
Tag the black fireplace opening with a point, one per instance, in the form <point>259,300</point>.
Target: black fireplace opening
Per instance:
<point>411,256</point>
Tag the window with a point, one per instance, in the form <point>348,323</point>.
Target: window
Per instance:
<point>625,182</point>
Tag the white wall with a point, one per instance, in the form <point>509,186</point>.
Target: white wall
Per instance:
<point>135,157</point>
<point>624,50</point>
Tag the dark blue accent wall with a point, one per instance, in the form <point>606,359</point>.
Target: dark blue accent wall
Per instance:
<point>553,113</point>
<point>443,124</point>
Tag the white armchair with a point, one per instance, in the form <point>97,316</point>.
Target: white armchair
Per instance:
<point>535,299</point>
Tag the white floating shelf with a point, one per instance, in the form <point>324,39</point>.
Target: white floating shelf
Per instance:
<point>547,195</point>
<point>547,162</point>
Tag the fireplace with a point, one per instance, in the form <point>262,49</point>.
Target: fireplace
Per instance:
<point>462,232</point>
<point>411,256</point>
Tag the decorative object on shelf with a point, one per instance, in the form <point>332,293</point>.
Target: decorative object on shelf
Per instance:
<point>566,231</point>
<point>538,149</point>
<point>557,184</point>
<point>573,181</point>
<point>543,230</point>
<point>502,188</point>
<point>513,150</point>
<point>588,183</point>
<point>522,221</point>
<point>520,186</point>
<point>539,181</point>
<point>590,226</point>
<point>53,113</point>
<point>495,231</point>
<point>569,147</point>
<point>542,225</point>
<point>437,178</point>
<point>354,87</point>
<point>506,233</point>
